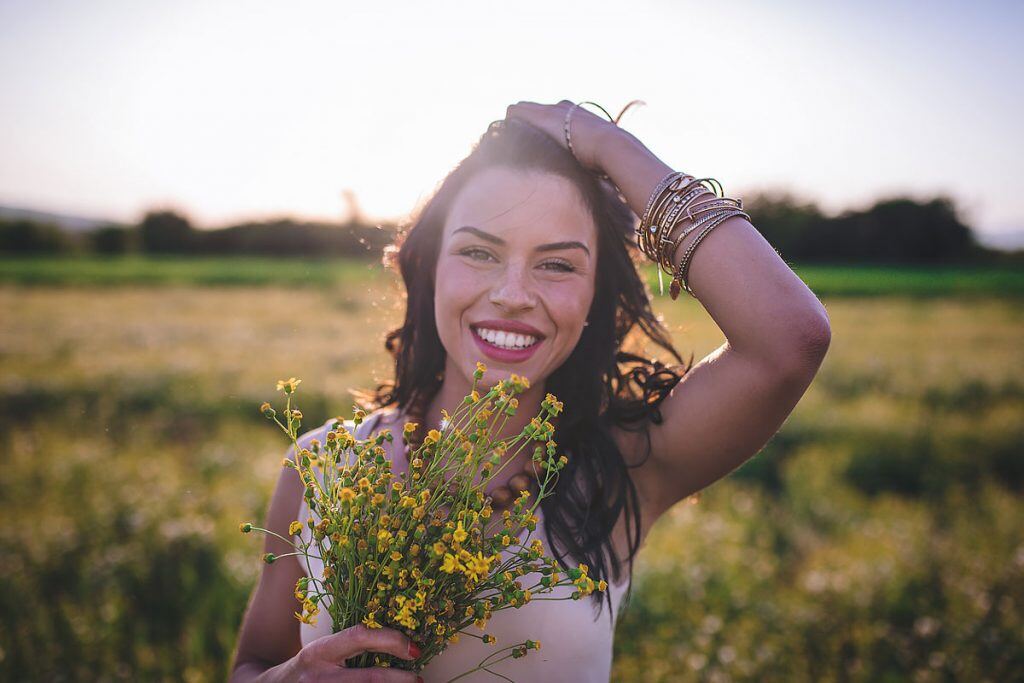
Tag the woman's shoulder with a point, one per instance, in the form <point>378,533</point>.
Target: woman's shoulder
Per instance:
<point>388,417</point>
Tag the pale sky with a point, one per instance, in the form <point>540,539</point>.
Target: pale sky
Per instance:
<point>246,110</point>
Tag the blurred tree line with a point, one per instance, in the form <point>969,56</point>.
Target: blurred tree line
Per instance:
<point>895,230</point>
<point>168,232</point>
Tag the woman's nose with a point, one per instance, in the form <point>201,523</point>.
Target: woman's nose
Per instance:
<point>512,291</point>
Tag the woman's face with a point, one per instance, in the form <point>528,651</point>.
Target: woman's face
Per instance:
<point>515,275</point>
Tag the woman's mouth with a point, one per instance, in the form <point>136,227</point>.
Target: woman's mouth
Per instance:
<point>504,346</point>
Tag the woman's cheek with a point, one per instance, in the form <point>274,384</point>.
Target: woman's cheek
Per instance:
<point>569,304</point>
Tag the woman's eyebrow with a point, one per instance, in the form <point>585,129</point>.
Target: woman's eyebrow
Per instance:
<point>551,246</point>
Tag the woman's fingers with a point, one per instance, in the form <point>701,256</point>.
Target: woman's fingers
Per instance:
<point>586,130</point>
<point>358,639</point>
<point>376,674</point>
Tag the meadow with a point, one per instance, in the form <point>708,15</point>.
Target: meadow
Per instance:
<point>877,537</point>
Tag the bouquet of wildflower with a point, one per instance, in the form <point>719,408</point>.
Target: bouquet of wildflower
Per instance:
<point>421,552</point>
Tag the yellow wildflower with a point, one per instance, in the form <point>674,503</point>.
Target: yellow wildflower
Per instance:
<point>346,494</point>
<point>294,528</point>
<point>371,620</point>
<point>460,534</point>
<point>450,564</point>
<point>289,385</point>
<point>477,567</point>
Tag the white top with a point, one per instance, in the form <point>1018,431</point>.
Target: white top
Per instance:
<point>574,645</point>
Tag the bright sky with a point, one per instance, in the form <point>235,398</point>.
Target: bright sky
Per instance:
<point>236,110</point>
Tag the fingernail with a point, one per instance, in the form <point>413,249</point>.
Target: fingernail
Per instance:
<point>419,679</point>
<point>414,650</point>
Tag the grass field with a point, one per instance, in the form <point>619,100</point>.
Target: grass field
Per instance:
<point>826,281</point>
<point>876,538</point>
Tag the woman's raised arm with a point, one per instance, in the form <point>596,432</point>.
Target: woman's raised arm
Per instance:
<point>777,332</point>
<point>731,403</point>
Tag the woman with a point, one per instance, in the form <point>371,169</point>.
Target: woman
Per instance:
<point>522,260</point>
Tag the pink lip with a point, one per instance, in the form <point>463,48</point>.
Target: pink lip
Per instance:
<point>506,355</point>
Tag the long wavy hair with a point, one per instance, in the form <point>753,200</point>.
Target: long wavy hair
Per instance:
<point>601,383</point>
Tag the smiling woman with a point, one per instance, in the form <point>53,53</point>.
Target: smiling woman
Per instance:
<point>508,266</point>
<point>525,258</point>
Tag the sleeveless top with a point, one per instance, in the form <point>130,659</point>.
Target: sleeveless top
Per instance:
<point>576,642</point>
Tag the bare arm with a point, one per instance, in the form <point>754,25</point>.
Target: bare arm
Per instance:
<point>269,636</point>
<point>732,402</point>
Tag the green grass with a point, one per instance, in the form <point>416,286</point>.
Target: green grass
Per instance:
<point>171,270</point>
<point>908,281</point>
<point>825,281</point>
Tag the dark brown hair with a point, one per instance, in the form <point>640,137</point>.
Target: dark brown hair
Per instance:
<point>601,384</point>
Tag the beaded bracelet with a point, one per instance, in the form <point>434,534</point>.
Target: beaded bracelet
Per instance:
<point>676,198</point>
<point>720,207</point>
<point>671,202</point>
<point>666,219</point>
<point>679,280</point>
<point>684,201</point>
<point>641,232</point>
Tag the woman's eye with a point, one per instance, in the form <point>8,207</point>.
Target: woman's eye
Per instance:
<point>560,266</point>
<point>475,253</point>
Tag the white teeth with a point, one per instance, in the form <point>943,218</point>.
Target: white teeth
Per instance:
<point>506,340</point>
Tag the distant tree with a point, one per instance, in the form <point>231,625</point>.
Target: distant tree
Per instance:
<point>892,230</point>
<point>897,230</point>
<point>23,236</point>
<point>285,237</point>
<point>166,232</point>
<point>785,221</point>
<point>113,239</point>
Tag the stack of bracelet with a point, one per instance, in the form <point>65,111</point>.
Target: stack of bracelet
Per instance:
<point>674,199</point>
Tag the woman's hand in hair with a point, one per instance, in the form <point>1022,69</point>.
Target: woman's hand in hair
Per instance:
<point>587,129</point>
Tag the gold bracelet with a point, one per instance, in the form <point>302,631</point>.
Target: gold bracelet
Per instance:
<point>641,228</point>
<point>680,202</point>
<point>693,211</point>
<point>665,211</point>
<point>677,183</point>
<point>656,226</point>
<point>667,263</point>
<point>679,280</point>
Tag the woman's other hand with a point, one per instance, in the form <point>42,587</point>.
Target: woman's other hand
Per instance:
<point>324,658</point>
